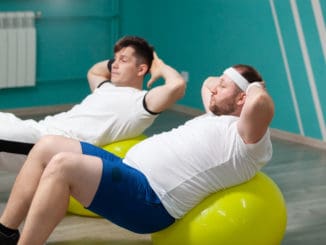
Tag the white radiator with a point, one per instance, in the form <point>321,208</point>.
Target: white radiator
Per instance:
<point>17,49</point>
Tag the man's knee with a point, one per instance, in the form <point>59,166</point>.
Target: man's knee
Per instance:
<point>62,163</point>
<point>45,149</point>
<point>47,141</point>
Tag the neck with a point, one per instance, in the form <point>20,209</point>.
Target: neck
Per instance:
<point>137,84</point>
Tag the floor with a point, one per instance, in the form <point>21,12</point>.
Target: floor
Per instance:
<point>299,171</point>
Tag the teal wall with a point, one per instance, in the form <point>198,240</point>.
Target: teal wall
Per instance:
<point>71,36</point>
<point>281,38</point>
<point>204,37</point>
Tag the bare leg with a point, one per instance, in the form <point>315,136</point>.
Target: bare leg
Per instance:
<point>66,174</point>
<point>29,177</point>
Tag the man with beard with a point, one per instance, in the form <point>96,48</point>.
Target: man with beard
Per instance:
<point>160,179</point>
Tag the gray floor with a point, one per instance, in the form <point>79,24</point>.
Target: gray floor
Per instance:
<point>299,171</point>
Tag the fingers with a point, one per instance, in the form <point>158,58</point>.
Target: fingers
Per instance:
<point>150,82</point>
<point>155,55</point>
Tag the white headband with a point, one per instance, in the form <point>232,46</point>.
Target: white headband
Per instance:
<point>237,78</point>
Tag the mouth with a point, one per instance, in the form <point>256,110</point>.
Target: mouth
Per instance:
<point>114,73</point>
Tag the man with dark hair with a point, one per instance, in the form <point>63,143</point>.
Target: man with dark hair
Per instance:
<point>160,179</point>
<point>118,108</point>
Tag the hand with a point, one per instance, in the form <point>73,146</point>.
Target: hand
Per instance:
<point>256,84</point>
<point>210,83</point>
<point>156,70</point>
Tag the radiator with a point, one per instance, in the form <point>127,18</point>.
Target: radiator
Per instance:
<point>17,49</point>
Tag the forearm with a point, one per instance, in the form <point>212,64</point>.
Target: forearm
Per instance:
<point>100,69</point>
<point>98,73</point>
<point>258,100</point>
<point>173,81</point>
<point>256,115</point>
<point>163,96</point>
<point>206,91</point>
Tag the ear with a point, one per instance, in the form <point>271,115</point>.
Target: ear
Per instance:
<point>142,69</point>
<point>241,98</point>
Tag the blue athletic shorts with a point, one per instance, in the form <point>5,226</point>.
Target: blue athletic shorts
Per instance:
<point>125,197</point>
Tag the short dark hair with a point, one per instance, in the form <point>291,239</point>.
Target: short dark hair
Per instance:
<point>143,51</point>
<point>249,73</point>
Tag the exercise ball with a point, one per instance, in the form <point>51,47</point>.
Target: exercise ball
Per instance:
<point>252,213</point>
<point>118,148</point>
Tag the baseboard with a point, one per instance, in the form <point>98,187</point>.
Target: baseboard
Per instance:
<point>39,110</point>
<point>295,138</point>
<point>187,110</point>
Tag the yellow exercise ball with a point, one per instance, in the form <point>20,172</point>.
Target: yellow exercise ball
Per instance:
<point>118,148</point>
<point>252,213</point>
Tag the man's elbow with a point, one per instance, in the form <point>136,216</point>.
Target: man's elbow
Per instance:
<point>265,105</point>
<point>180,88</point>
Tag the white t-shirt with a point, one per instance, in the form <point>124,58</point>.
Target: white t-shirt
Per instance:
<point>204,155</point>
<point>107,115</point>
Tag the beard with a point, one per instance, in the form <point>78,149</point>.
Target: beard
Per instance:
<point>227,106</point>
<point>225,109</point>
